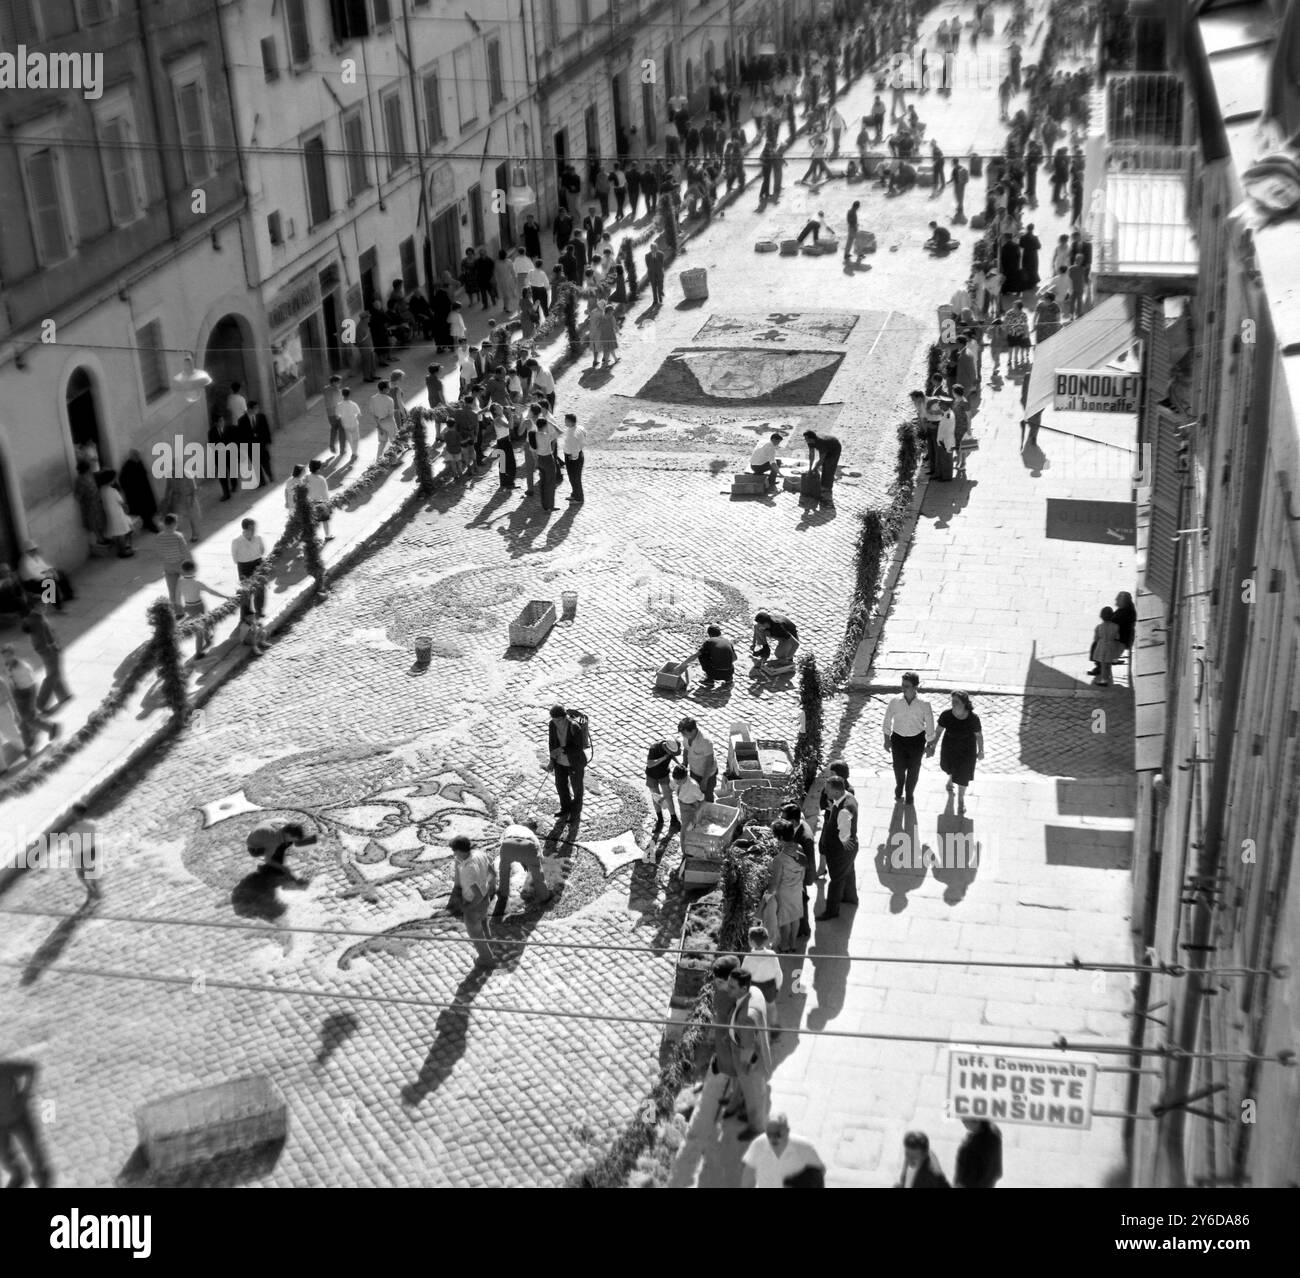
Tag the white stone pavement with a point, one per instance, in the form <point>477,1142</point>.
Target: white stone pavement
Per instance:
<point>988,601</point>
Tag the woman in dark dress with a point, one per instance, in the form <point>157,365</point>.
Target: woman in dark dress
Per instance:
<point>441,307</point>
<point>140,500</point>
<point>379,334</point>
<point>960,741</point>
<point>1125,618</point>
<point>1009,261</point>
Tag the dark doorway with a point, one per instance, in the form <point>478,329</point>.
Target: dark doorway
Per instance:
<point>591,124</point>
<point>330,313</point>
<point>561,154</point>
<point>475,197</point>
<point>446,243</point>
<point>224,362</point>
<point>83,418</point>
<point>649,125</point>
<point>313,355</point>
<point>369,266</point>
<point>505,218</point>
<point>8,524</point>
<point>618,93</point>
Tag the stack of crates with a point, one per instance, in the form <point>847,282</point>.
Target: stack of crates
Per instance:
<point>705,843</point>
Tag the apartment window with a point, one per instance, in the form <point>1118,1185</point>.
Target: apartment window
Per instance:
<point>350,19</point>
<point>295,14</point>
<point>584,13</point>
<point>496,85</point>
<point>394,132</point>
<point>30,21</point>
<point>48,206</point>
<point>270,59</point>
<point>192,116</point>
<point>354,143</point>
<point>433,126</point>
<point>92,11</point>
<point>553,22</point>
<point>153,364</point>
<point>463,66</point>
<point>318,185</point>
<point>123,174</point>
<point>383,13</point>
<point>274,228</point>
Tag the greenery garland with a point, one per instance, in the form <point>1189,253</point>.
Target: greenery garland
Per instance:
<point>808,744</point>
<point>419,421</point>
<point>306,521</point>
<point>629,268</point>
<point>167,657</point>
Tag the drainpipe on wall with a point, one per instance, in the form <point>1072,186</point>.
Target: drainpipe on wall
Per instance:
<point>1209,858</point>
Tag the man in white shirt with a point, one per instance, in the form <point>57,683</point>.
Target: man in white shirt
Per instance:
<point>540,283</point>
<point>520,845</point>
<point>236,404</point>
<point>572,443</point>
<point>776,1156</point>
<point>908,729</point>
<point>477,882</point>
<point>698,756</point>
<point>522,266</point>
<point>543,383</point>
<point>764,461</point>
<point>249,550</point>
<point>333,393</point>
<point>350,417</point>
<point>318,493</point>
<point>384,411</point>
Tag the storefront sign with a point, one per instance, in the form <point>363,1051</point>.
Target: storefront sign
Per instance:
<point>1081,390</point>
<point>290,304</point>
<point>1046,1091</point>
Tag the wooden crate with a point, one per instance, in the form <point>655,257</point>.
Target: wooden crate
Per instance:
<point>699,842</point>
<point>766,246</point>
<point>192,1127</point>
<point>789,248</point>
<point>674,677</point>
<point>695,284</point>
<point>700,871</point>
<point>533,624</point>
<point>747,484</point>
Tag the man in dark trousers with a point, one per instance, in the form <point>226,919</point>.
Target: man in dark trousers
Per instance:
<point>717,657</point>
<point>979,1157</point>
<point>568,742</point>
<point>262,438</point>
<point>960,176</point>
<point>742,1050</point>
<point>18,1128</point>
<point>220,434</point>
<point>823,457</point>
<point>839,847</point>
<point>563,228</point>
<point>654,265</point>
<point>908,729</point>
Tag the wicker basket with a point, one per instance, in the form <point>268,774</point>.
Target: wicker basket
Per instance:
<point>695,284</point>
<point>763,803</point>
<point>533,624</point>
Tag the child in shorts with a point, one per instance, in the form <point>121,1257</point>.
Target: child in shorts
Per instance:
<point>690,798</point>
<point>764,968</point>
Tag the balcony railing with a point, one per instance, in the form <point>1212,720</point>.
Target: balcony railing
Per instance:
<point>1124,157</point>
<point>1146,109</point>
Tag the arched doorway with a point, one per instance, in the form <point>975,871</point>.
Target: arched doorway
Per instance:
<point>82,402</point>
<point>708,61</point>
<point>9,544</point>
<point>225,360</point>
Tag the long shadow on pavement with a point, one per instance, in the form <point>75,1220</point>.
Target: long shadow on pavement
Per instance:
<point>900,863</point>
<point>830,968</point>
<point>451,1032</point>
<point>49,949</point>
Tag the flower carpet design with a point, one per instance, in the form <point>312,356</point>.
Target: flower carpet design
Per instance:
<point>743,376</point>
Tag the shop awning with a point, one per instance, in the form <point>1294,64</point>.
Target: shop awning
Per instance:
<point>1098,339</point>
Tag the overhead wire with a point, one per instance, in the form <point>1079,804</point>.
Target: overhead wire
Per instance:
<point>1061,1044</point>
<point>272,929</point>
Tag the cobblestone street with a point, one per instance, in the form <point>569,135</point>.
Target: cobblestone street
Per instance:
<point>386,1085</point>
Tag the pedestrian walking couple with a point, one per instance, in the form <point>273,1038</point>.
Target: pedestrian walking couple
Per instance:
<point>1112,638</point>
<point>911,735</point>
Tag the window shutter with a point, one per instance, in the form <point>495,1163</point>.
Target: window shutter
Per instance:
<point>496,88</point>
<point>433,110</point>
<point>299,33</point>
<point>47,207</point>
<point>383,13</point>
<point>153,364</point>
<point>194,136</point>
<point>406,254</point>
<point>354,139</point>
<point>18,23</point>
<point>394,133</point>
<point>270,59</point>
<point>1166,501</point>
<point>119,175</point>
<point>318,191</point>
<point>350,18</point>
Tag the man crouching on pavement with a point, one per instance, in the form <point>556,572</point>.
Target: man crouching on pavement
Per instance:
<point>272,840</point>
<point>520,844</point>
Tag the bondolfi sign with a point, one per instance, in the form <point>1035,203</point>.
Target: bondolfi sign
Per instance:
<point>1049,1091</point>
<point>1083,390</point>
